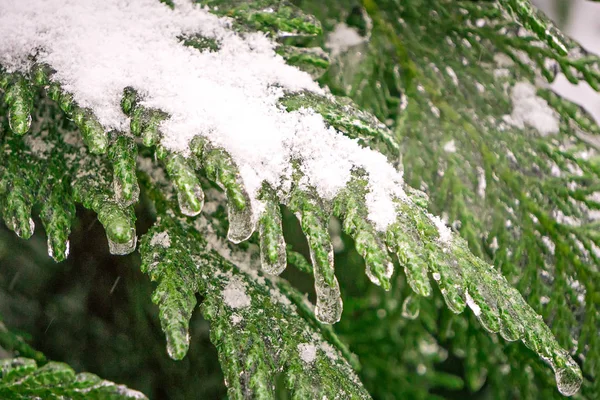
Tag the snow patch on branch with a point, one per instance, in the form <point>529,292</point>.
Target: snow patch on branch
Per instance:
<point>531,110</point>
<point>342,38</point>
<point>230,96</point>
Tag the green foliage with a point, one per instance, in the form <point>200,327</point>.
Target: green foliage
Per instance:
<point>35,377</point>
<point>22,379</point>
<point>440,75</point>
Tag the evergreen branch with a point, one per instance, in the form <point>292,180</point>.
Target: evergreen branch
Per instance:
<point>21,378</point>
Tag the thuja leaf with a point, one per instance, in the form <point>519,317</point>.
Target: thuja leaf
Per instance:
<point>257,330</point>
<point>520,190</point>
<point>21,378</point>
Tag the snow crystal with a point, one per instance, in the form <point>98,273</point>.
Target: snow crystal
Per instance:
<point>531,110</point>
<point>161,239</point>
<point>342,38</point>
<point>234,294</point>
<point>229,96</point>
<point>308,352</point>
<point>444,232</point>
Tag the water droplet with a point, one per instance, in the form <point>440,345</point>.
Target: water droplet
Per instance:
<point>122,248</point>
<point>411,307</point>
<point>436,276</point>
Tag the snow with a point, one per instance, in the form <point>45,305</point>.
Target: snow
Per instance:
<point>234,294</point>
<point>531,110</point>
<point>481,182</point>
<point>161,239</point>
<point>452,75</point>
<point>583,26</point>
<point>308,352</point>
<point>229,96</point>
<point>342,38</point>
<point>444,232</point>
<point>450,146</point>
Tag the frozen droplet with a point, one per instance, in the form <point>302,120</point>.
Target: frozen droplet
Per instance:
<point>277,267</point>
<point>389,271</point>
<point>411,307</point>
<point>191,206</point>
<point>241,224</point>
<point>273,255</point>
<point>328,309</point>
<point>122,248</point>
<point>436,276</point>
<point>453,300</point>
<point>568,379</point>
<point>23,231</point>
<point>329,305</point>
<point>18,125</point>
<point>416,276</point>
<point>177,347</point>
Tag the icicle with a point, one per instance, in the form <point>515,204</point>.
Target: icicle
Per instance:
<point>272,243</point>
<point>220,168</point>
<point>122,153</point>
<point>511,328</point>
<point>414,266</point>
<point>410,307</point>
<point>118,224</point>
<point>57,250</point>
<point>313,220</point>
<point>145,122</point>
<point>486,313</point>
<point>449,281</point>
<point>19,98</point>
<point>350,206</point>
<point>567,374</point>
<point>118,248</point>
<point>17,209</point>
<point>94,135</point>
<point>189,192</point>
